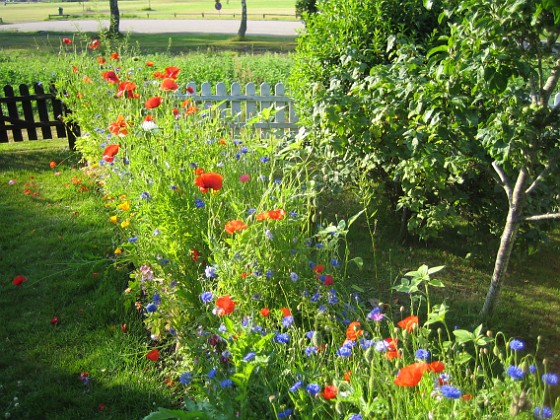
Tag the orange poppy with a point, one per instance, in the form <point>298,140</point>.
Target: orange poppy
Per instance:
<point>235,225</point>
<point>74,69</point>
<point>353,332</point>
<point>191,110</point>
<point>153,355</point>
<point>392,350</point>
<point>169,84</point>
<point>110,152</point>
<point>277,214</point>
<point>127,89</point>
<point>198,171</point>
<point>286,312</point>
<point>94,44</point>
<point>436,367</point>
<point>52,164</point>
<point>225,305</point>
<point>101,60</point>
<point>347,375</point>
<point>119,127</point>
<point>172,72</point>
<point>149,63</point>
<point>329,392</point>
<point>209,180</point>
<point>110,76</point>
<point>115,56</point>
<point>153,102</point>
<point>408,323</point>
<point>265,312</point>
<point>86,79</point>
<point>195,255</point>
<point>411,375</point>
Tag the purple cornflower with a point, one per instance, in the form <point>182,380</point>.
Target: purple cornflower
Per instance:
<point>515,372</point>
<point>287,321</point>
<point>422,354</point>
<point>449,391</point>
<point>310,351</point>
<point>344,351</point>
<point>516,345</point>
<point>550,379</point>
<point>375,314</point>
<point>296,386</point>
<point>249,356</point>
<point>206,297</point>
<point>198,203</point>
<point>313,389</point>
<point>210,272</point>
<point>282,338</point>
<point>543,412</point>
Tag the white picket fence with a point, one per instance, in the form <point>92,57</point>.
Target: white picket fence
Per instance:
<point>265,110</point>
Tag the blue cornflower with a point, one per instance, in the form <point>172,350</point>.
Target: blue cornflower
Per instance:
<point>294,276</point>
<point>315,297</point>
<point>206,297</point>
<point>174,187</point>
<point>257,329</point>
<point>550,379</point>
<point>516,345</point>
<point>355,417</point>
<point>533,368</point>
<point>381,346</point>
<point>293,213</point>
<point>313,389</point>
<point>296,386</point>
<point>226,383</point>
<point>151,307</point>
<point>145,195</point>
<point>286,413</point>
<point>172,331</point>
<point>310,351</point>
<point>237,142</point>
<point>422,354</point>
<point>322,308</point>
<point>332,297</point>
<point>310,334</point>
<point>198,203</point>
<point>335,263</point>
<point>251,211</point>
<point>249,356</point>
<point>268,234</point>
<point>210,272</point>
<point>375,314</point>
<point>366,344</point>
<point>287,321</point>
<point>185,378</point>
<point>222,328</point>
<point>156,299</point>
<point>319,245</point>
<point>282,338</point>
<point>543,412</point>
<point>265,159</point>
<point>515,372</point>
<point>449,391</point>
<point>344,351</point>
<point>193,165</point>
<point>244,149</point>
<point>132,239</point>
<point>211,373</point>
<point>269,274</point>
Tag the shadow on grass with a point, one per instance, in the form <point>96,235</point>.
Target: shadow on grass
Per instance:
<point>61,241</point>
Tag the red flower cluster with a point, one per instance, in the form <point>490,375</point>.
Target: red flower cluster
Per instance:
<point>209,181</point>
<point>277,214</point>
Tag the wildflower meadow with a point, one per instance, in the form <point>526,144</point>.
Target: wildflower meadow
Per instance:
<point>243,285</point>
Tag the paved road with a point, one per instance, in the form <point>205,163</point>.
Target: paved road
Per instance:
<point>154,26</point>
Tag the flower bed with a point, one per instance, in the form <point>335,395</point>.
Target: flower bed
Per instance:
<point>243,289</point>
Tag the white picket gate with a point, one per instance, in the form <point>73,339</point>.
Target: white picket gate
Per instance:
<point>265,110</point>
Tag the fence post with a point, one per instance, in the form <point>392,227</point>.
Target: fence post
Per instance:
<point>27,111</point>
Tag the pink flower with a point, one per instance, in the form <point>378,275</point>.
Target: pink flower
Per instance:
<point>244,178</point>
<point>12,182</point>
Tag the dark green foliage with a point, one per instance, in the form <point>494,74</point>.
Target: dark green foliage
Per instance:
<point>304,7</point>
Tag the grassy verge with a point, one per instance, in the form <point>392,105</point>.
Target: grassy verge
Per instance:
<point>67,318</point>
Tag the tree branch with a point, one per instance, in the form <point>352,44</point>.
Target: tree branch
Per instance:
<point>540,177</point>
<point>550,84</point>
<point>540,217</point>
<point>503,179</point>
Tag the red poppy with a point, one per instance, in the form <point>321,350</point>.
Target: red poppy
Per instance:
<point>110,152</point>
<point>411,375</point>
<point>94,44</point>
<point>55,320</point>
<point>436,367</point>
<point>124,328</point>
<point>101,60</point>
<point>18,280</point>
<point>189,90</point>
<point>191,110</point>
<point>119,127</point>
<point>172,72</point>
<point>408,323</point>
<point>102,407</point>
<point>277,214</point>
<point>318,268</point>
<point>235,225</point>
<point>329,280</point>
<point>466,397</point>
<point>209,180</point>
<point>52,164</point>
<point>392,351</point>
<point>159,75</point>
<point>74,69</point>
<point>149,63</point>
<point>153,355</point>
<point>225,305</point>
<point>353,332</point>
<point>67,41</point>
<point>169,84</point>
<point>347,375</point>
<point>127,89</point>
<point>329,392</point>
<point>110,76</point>
<point>176,112</point>
<point>199,171</point>
<point>265,312</point>
<point>153,102</point>
<point>286,312</point>
<point>115,56</point>
<point>195,255</point>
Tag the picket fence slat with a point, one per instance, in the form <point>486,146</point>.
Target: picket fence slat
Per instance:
<point>244,107</point>
<point>25,112</point>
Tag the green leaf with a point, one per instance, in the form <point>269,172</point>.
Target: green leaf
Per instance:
<point>358,288</point>
<point>428,4</point>
<point>438,49</point>
<point>462,358</point>
<point>436,283</point>
<point>463,336</point>
<point>435,269</point>
<point>358,261</point>
<point>353,218</point>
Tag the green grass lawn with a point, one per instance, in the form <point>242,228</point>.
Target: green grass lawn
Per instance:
<point>156,9</point>
<point>56,233</point>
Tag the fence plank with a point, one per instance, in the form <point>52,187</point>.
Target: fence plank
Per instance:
<point>3,127</point>
<point>57,114</point>
<point>28,112</point>
<point>251,104</point>
<point>13,113</point>
<point>280,105</point>
<point>43,111</point>
<point>236,103</point>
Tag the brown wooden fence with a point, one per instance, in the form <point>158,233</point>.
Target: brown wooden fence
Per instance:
<point>33,116</point>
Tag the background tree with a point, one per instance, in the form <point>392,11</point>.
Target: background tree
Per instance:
<point>450,119</point>
<point>243,27</point>
<point>115,18</point>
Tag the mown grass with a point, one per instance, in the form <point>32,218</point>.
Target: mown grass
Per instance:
<point>55,232</point>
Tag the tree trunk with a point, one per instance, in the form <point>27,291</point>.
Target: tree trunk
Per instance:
<point>115,18</point>
<point>243,27</point>
<point>516,200</point>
